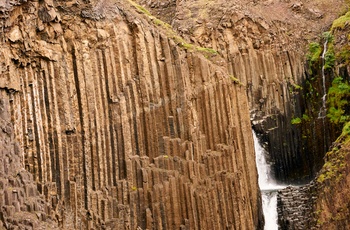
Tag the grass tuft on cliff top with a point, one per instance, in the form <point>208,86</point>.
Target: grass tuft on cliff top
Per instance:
<point>341,22</point>
<point>172,34</point>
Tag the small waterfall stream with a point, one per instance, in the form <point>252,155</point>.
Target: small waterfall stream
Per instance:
<point>323,110</point>
<point>267,186</point>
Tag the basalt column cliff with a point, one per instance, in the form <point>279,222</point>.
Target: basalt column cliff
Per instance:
<point>107,122</point>
<point>264,45</point>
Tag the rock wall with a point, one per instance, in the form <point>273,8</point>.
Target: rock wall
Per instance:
<point>295,207</point>
<point>324,202</point>
<point>332,203</point>
<point>263,44</point>
<point>119,127</point>
<point>21,204</point>
<point>162,9</point>
<point>332,206</point>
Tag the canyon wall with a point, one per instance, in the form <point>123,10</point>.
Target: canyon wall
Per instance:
<point>331,207</point>
<point>264,45</point>
<point>325,203</point>
<point>21,204</point>
<point>110,124</point>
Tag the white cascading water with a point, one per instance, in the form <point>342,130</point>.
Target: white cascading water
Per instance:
<point>267,186</point>
<point>322,112</point>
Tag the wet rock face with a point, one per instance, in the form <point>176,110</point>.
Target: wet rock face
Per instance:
<point>295,206</point>
<point>119,127</point>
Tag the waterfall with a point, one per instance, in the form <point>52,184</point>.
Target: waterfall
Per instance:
<point>323,110</point>
<point>267,186</point>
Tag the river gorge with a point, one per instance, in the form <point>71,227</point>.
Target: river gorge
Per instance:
<point>121,114</point>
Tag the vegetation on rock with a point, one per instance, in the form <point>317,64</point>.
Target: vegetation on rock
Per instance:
<point>296,121</point>
<point>235,80</point>
<point>333,193</point>
<point>333,202</point>
<point>341,22</point>
<point>338,101</point>
<point>314,54</point>
<point>172,34</point>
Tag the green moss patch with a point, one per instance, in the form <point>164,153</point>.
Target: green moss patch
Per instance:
<point>341,21</point>
<point>338,101</point>
<point>334,166</point>
<point>314,53</point>
<point>172,34</point>
<point>296,121</point>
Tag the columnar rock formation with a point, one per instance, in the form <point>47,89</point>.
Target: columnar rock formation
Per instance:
<point>120,127</point>
<point>331,207</point>
<point>263,44</point>
<point>21,203</point>
<point>295,207</point>
<point>325,202</point>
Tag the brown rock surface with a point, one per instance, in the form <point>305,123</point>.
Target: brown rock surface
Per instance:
<point>21,204</point>
<point>332,205</point>
<point>263,44</point>
<point>118,126</point>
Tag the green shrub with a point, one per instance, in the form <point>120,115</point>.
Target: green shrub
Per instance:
<point>321,178</point>
<point>235,80</point>
<point>344,55</point>
<point>207,50</point>
<point>159,22</point>
<point>328,36</point>
<point>314,54</point>
<point>338,101</point>
<point>141,9</point>
<point>297,87</point>
<point>306,117</point>
<point>340,22</point>
<point>329,57</point>
<point>346,130</point>
<point>296,121</point>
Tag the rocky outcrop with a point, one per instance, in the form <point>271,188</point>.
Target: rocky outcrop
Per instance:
<point>119,126</point>
<point>162,9</point>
